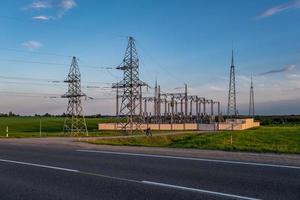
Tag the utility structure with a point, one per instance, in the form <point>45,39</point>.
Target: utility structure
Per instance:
<point>231,107</point>
<point>251,100</point>
<point>129,90</point>
<point>74,122</point>
<point>179,108</point>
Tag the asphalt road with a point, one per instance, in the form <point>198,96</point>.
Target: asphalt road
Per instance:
<point>52,172</point>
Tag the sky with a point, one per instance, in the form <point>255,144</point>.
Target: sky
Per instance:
<point>177,41</point>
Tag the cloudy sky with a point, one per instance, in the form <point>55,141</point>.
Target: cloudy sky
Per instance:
<point>178,42</point>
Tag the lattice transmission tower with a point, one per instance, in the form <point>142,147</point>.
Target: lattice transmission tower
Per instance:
<point>251,100</point>
<point>74,122</point>
<point>129,90</point>
<point>231,108</point>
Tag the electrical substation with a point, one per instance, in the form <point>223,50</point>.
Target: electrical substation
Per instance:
<point>167,110</point>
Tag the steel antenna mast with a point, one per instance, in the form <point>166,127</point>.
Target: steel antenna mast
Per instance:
<point>251,101</point>
<point>74,122</point>
<point>131,89</point>
<point>231,109</point>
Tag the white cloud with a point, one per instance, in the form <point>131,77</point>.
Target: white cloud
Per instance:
<point>41,17</point>
<point>38,5</point>
<point>279,8</point>
<point>296,76</point>
<point>32,45</point>
<point>244,78</point>
<point>217,88</point>
<point>57,6</point>
<point>68,4</point>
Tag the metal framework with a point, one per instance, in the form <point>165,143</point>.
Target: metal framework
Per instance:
<point>179,107</point>
<point>74,122</point>
<point>251,100</point>
<point>171,108</point>
<point>131,89</point>
<point>231,107</point>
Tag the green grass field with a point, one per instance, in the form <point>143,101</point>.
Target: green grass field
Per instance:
<point>51,126</point>
<point>279,139</point>
<point>271,138</point>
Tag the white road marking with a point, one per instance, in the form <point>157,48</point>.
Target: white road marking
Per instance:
<point>109,177</point>
<point>128,180</point>
<point>38,165</point>
<point>189,158</point>
<point>199,190</point>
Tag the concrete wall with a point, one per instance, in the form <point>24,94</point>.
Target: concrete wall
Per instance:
<point>236,124</point>
<point>191,126</point>
<point>162,127</point>
<point>239,124</point>
<point>107,126</point>
<point>208,127</point>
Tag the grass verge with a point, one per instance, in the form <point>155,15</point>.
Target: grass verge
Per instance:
<point>278,139</point>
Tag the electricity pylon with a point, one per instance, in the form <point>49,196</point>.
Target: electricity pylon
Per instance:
<point>251,101</point>
<point>74,122</point>
<point>231,108</point>
<point>131,89</point>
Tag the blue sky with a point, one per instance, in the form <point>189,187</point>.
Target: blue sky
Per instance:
<point>178,42</point>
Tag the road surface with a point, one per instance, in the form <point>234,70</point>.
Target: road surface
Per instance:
<point>73,172</point>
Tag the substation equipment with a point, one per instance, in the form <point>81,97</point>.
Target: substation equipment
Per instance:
<point>163,107</point>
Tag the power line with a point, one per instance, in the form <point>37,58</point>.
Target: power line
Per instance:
<point>170,74</point>
<point>23,81</point>
<point>26,83</point>
<point>103,98</point>
<point>112,75</point>
<point>27,79</point>
<point>34,52</point>
<point>48,63</point>
<point>18,78</point>
<point>27,93</point>
<point>97,82</point>
<point>44,84</point>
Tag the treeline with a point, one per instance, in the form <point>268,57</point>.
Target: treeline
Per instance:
<point>64,115</point>
<point>278,119</point>
<point>11,114</point>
